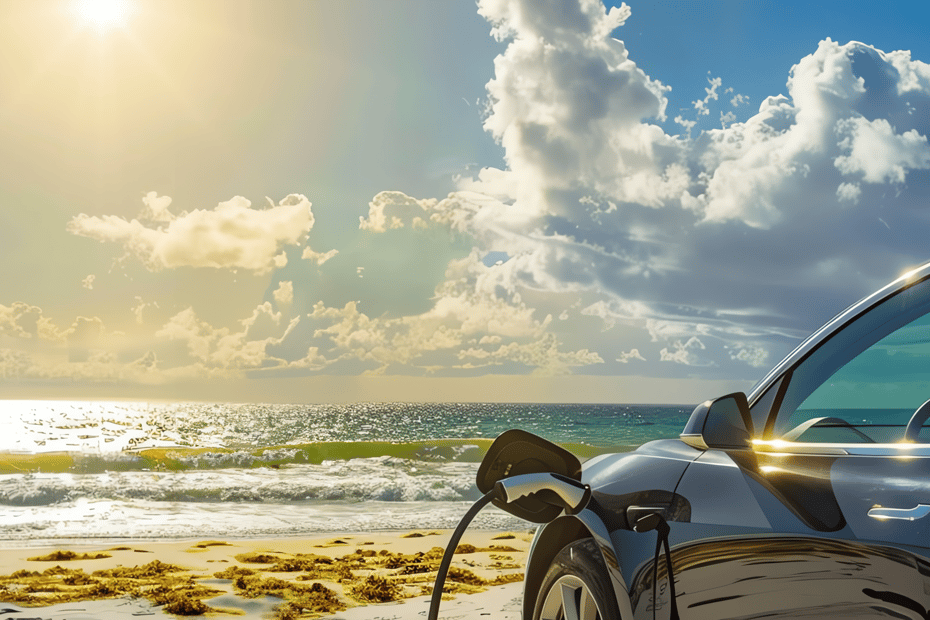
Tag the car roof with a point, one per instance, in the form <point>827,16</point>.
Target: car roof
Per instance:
<point>836,324</point>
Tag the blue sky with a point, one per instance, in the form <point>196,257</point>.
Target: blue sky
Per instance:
<point>422,200</point>
<point>751,46</point>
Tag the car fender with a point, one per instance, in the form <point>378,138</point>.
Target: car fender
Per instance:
<point>552,537</point>
<point>647,476</point>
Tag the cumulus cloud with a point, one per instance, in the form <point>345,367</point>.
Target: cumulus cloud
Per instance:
<point>742,237</point>
<point>848,192</point>
<point>390,210</point>
<point>156,207</point>
<point>685,352</point>
<point>542,355</point>
<point>877,152</point>
<point>24,321</point>
<point>88,282</point>
<point>471,324</point>
<point>317,257</point>
<point>632,354</point>
<point>702,105</point>
<point>227,349</point>
<point>284,294</point>
<point>230,236</point>
<point>757,357</point>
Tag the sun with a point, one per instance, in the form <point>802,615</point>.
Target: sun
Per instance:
<point>103,15</point>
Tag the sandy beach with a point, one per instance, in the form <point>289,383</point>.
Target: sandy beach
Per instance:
<point>347,576</point>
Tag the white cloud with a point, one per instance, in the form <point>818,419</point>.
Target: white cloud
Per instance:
<point>848,192</point>
<point>877,152</point>
<point>284,294</point>
<point>632,354</point>
<point>759,170</point>
<point>224,349</point>
<point>739,100</point>
<point>701,104</point>
<point>88,282</point>
<point>231,236</point>
<point>543,355</point>
<point>757,357</point>
<point>24,321</point>
<point>391,209</point>
<point>566,104</point>
<point>317,257</point>
<point>685,353</point>
<point>156,208</point>
<point>688,125</point>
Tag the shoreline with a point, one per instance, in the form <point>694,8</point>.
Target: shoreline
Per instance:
<point>333,575</point>
<point>41,543</point>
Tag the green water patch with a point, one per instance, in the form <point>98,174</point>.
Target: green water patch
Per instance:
<point>440,450</point>
<point>187,458</point>
<point>48,462</point>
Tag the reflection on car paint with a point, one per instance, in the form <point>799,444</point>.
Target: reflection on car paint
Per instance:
<point>733,578</point>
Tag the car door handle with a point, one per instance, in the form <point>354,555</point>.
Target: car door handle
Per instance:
<point>907,514</point>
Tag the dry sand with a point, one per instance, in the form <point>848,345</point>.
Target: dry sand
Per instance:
<point>371,576</point>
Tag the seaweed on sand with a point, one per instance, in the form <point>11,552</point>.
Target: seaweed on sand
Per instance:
<point>299,598</point>
<point>155,568</point>
<point>377,589</point>
<point>257,558</point>
<point>232,572</point>
<point>179,595</point>
<point>316,600</point>
<point>67,556</point>
<point>156,581</point>
<point>210,543</point>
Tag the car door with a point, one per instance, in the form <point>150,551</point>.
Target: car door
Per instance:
<point>828,515</point>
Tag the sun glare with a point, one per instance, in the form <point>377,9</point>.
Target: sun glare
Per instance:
<point>103,15</point>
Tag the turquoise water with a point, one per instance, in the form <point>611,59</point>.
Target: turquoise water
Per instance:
<point>597,425</point>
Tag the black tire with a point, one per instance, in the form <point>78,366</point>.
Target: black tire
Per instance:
<point>577,579</point>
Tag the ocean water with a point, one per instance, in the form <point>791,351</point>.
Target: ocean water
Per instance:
<point>98,470</point>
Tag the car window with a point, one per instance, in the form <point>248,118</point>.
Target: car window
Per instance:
<point>863,384</point>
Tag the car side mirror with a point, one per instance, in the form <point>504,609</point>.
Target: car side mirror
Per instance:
<point>724,423</point>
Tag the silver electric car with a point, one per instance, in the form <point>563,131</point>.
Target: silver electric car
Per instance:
<point>807,498</point>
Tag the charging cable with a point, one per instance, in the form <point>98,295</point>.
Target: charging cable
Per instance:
<point>655,521</point>
<point>550,488</point>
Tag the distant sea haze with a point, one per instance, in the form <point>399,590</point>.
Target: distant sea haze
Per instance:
<point>136,470</point>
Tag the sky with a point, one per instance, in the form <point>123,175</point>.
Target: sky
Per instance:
<point>443,200</point>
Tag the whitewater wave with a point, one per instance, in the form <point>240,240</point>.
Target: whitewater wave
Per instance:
<point>386,479</point>
<point>87,519</point>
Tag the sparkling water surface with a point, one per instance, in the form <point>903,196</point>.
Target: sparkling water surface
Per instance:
<point>214,492</point>
<point>89,426</point>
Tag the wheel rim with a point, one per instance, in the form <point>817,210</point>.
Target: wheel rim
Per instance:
<point>569,598</point>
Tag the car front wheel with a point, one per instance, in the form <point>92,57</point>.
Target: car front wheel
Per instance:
<point>576,586</point>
